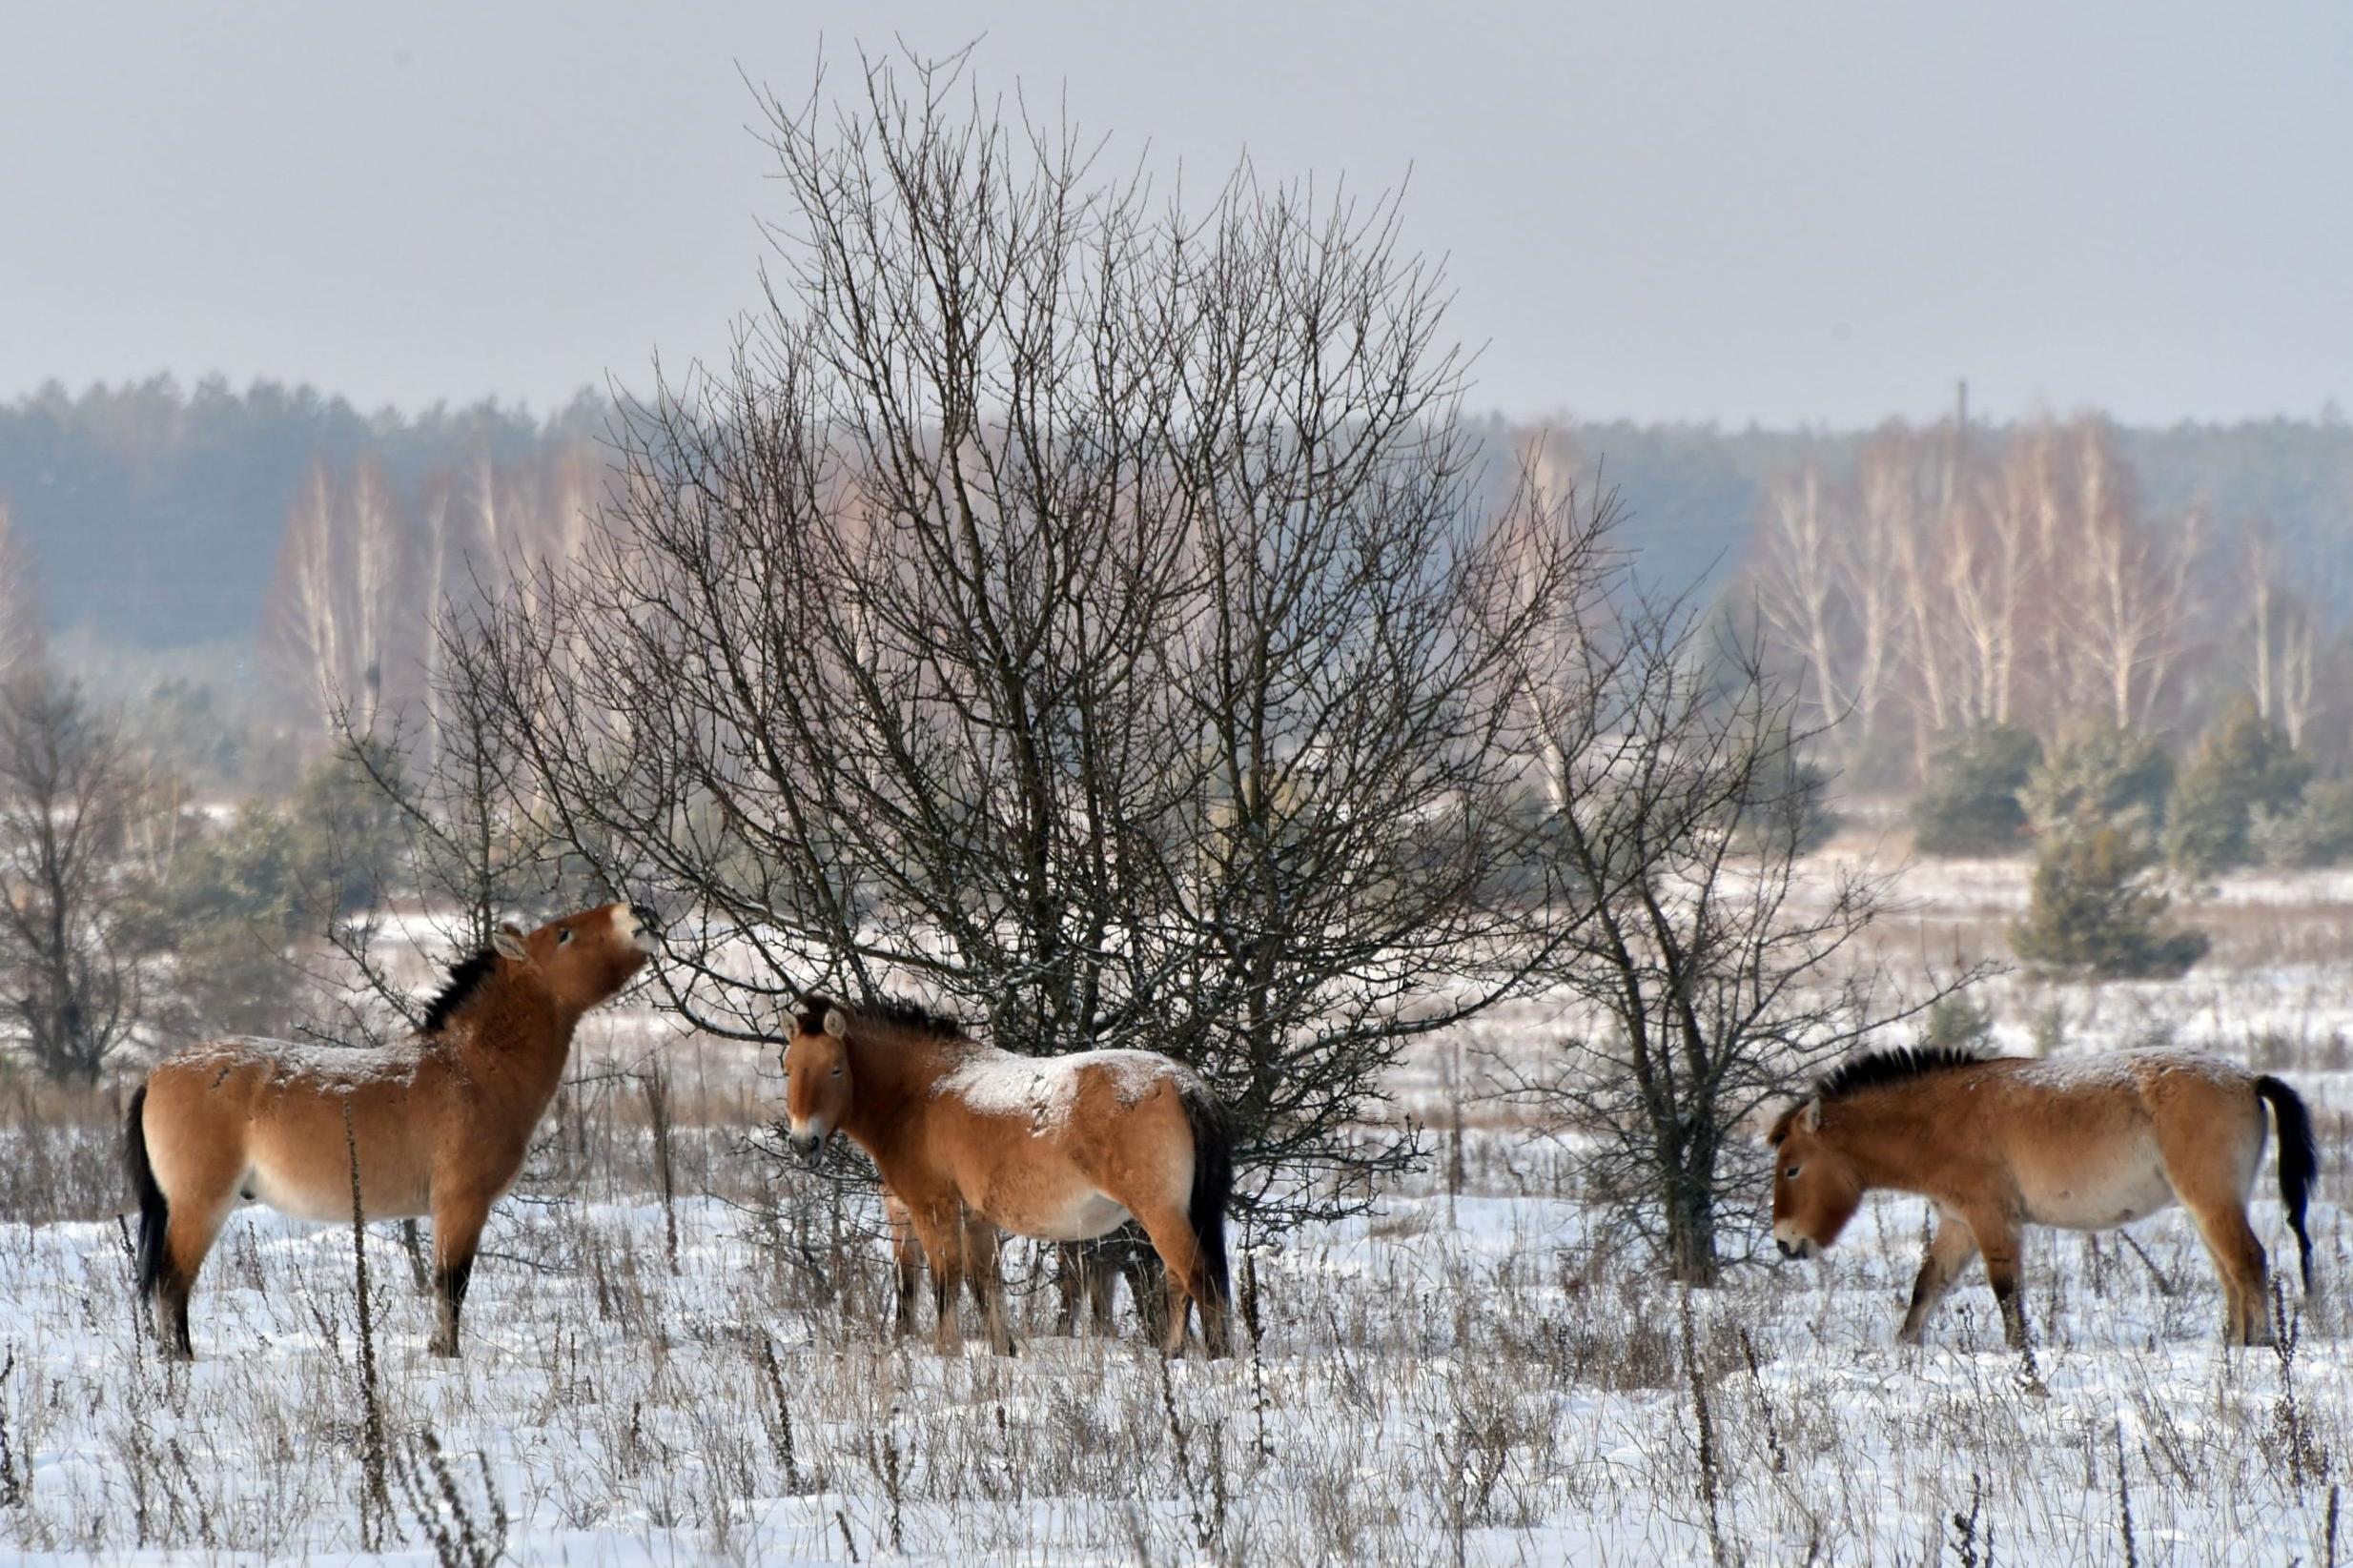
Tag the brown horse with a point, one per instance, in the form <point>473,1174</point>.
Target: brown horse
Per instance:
<point>438,1124</point>
<point>2087,1144</point>
<point>972,1141</point>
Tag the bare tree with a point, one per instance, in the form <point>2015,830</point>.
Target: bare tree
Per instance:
<point>1077,609</point>
<point>69,989</point>
<point>1711,965</point>
<point>1806,532</point>
<point>20,604</point>
<point>2128,592</point>
<point>343,618</point>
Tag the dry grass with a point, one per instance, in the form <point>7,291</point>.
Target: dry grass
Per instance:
<point>1477,1373</point>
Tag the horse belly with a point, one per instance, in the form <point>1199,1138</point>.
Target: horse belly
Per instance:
<point>306,1192</point>
<point>1079,1215</point>
<point>2100,1194</point>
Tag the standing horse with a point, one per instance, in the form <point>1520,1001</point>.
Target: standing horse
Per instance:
<point>971,1141</point>
<point>438,1124</point>
<point>2085,1143</point>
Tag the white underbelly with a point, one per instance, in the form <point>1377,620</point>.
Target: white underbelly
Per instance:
<point>2103,1204</point>
<point>327,1206</point>
<point>1082,1219</point>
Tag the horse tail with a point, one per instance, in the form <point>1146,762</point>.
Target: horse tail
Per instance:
<point>2299,1157</point>
<point>154,1209</point>
<point>1213,1182</point>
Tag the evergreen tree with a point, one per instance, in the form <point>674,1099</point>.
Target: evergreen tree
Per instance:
<point>2244,764</point>
<point>2093,913</point>
<point>1969,804</point>
<point>2318,831</point>
<point>2095,774</point>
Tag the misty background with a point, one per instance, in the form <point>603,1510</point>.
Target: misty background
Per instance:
<point>299,278</point>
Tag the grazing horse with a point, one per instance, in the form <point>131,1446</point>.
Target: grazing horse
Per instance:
<point>438,1124</point>
<point>2083,1144</point>
<point>971,1141</point>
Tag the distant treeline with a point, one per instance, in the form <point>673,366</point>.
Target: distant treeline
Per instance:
<point>157,516</point>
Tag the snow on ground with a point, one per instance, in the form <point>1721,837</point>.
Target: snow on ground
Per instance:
<point>1481,1378</point>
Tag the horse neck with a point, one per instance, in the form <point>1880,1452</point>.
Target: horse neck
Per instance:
<point>891,1070</point>
<point>1897,1136</point>
<point>522,1030</point>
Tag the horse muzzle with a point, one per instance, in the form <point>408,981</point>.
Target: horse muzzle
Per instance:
<point>810,1145</point>
<point>647,936</point>
<point>1801,1248</point>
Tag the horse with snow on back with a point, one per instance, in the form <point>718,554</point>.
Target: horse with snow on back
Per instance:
<point>437,1124</point>
<point>971,1140</point>
<point>2084,1144</point>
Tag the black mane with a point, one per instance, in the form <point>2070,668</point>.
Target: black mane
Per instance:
<point>810,1017</point>
<point>1893,1066</point>
<point>465,978</point>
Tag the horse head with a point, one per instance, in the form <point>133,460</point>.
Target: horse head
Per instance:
<point>1816,1188</point>
<point>582,958</point>
<point>817,1076</point>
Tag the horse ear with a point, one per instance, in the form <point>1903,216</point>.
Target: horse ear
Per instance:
<point>836,1024</point>
<point>1771,1121</point>
<point>507,942</point>
<point>1759,1124</point>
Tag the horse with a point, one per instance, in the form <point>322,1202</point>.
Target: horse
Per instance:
<point>436,1124</point>
<point>2085,1143</point>
<point>972,1141</point>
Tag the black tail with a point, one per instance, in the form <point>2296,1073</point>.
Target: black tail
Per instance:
<point>2300,1158</point>
<point>154,1210</point>
<point>1213,1184</point>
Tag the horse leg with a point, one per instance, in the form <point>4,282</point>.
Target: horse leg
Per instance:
<point>1187,1278</point>
<point>1949,1253</point>
<point>2240,1263</point>
<point>2212,1176</point>
<point>1998,1240</point>
<point>1102,1281</point>
<point>1070,1283</point>
<point>982,1278</point>
<point>457,1235</point>
<point>907,1265</point>
<point>187,1241</point>
<point>940,1231</point>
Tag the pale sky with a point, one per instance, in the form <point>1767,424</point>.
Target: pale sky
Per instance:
<point>1775,211</point>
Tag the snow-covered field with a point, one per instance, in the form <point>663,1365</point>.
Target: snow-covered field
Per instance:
<point>1471,1378</point>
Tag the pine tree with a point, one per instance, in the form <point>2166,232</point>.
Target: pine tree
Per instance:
<point>1969,804</point>
<point>2092,912</point>
<point>2097,774</point>
<point>2244,764</point>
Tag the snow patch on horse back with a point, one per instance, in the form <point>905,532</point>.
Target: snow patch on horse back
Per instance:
<point>286,1060</point>
<point>2128,1067</point>
<point>1044,1089</point>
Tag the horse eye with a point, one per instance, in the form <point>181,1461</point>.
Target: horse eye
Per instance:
<point>564,936</point>
<point>1791,1175</point>
<point>837,1069</point>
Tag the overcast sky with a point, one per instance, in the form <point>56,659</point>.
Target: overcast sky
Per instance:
<point>1780,212</point>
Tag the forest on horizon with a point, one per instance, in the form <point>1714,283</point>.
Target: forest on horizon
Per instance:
<point>224,535</point>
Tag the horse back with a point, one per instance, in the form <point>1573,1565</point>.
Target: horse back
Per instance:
<point>1064,1147</point>
<point>2099,1141</point>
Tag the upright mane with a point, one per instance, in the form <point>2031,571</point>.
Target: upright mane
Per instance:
<point>1894,1066</point>
<point>810,1017</point>
<point>465,977</point>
